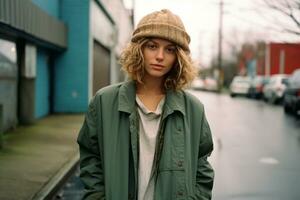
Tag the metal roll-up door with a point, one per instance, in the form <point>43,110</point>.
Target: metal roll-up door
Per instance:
<point>101,67</point>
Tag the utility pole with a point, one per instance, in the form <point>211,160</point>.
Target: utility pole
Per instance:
<point>219,68</point>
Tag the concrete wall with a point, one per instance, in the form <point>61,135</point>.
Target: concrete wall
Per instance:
<point>124,23</point>
<point>123,27</point>
<point>8,90</point>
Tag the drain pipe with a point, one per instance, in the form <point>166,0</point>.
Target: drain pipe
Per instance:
<point>1,126</point>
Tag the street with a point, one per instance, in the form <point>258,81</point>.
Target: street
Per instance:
<point>257,148</point>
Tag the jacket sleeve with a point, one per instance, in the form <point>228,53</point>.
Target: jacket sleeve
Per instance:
<point>91,170</point>
<point>205,173</point>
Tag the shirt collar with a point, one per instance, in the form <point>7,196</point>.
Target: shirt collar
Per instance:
<point>174,100</point>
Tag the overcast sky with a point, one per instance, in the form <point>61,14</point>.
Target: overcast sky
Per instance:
<point>243,20</point>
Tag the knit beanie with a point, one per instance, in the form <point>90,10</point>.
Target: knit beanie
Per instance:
<point>162,24</point>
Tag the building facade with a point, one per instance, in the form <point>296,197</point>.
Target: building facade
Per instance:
<point>269,58</point>
<point>282,58</point>
<point>55,54</point>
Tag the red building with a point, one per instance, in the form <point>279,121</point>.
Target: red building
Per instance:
<point>282,58</point>
<point>269,59</point>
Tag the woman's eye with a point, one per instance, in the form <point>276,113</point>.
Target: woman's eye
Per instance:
<point>171,49</point>
<point>151,46</point>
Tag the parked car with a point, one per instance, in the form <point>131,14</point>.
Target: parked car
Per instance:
<point>257,85</point>
<point>291,100</point>
<point>211,84</point>
<point>274,90</point>
<point>198,84</point>
<point>240,86</point>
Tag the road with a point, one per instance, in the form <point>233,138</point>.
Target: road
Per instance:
<point>257,150</point>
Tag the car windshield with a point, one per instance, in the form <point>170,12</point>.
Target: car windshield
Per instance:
<point>296,76</point>
<point>284,80</point>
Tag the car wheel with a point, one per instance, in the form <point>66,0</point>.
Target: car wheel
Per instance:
<point>265,98</point>
<point>272,99</point>
<point>232,95</point>
<point>287,109</point>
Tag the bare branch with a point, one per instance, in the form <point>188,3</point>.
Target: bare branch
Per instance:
<point>287,9</point>
<point>292,31</point>
<point>288,5</point>
<point>295,20</point>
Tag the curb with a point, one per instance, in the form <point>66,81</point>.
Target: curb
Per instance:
<point>55,183</point>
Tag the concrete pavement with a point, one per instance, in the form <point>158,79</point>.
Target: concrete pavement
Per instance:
<point>36,157</point>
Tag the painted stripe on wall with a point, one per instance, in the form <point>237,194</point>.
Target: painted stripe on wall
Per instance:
<point>71,68</point>
<point>42,85</point>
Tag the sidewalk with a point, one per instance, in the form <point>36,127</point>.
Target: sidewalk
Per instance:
<point>35,157</point>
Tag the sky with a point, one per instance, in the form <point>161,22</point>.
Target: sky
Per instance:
<point>243,20</point>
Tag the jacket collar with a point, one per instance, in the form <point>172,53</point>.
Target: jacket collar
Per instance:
<point>127,97</point>
<point>174,100</point>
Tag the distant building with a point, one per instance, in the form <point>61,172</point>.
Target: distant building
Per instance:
<point>268,59</point>
<point>282,58</point>
<point>55,54</point>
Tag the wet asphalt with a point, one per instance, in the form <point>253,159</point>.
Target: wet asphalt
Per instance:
<point>256,156</point>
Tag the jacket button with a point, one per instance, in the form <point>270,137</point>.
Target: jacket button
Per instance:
<point>179,163</point>
<point>130,196</point>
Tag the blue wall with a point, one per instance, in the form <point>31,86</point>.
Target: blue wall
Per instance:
<point>49,6</point>
<point>71,68</point>
<point>42,85</point>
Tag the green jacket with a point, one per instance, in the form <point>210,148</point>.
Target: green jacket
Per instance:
<point>108,142</point>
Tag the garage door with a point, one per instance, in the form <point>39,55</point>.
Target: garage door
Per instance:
<point>101,67</point>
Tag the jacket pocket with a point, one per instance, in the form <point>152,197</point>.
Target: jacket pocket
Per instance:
<point>171,172</point>
<point>170,185</point>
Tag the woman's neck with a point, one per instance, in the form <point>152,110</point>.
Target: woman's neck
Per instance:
<point>150,87</point>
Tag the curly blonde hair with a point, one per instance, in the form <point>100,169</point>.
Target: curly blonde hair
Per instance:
<point>179,77</point>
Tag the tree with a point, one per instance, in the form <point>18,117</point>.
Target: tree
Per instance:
<point>288,9</point>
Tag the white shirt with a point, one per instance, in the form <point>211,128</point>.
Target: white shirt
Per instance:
<point>148,130</point>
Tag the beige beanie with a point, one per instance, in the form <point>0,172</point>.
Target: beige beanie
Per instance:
<point>162,24</point>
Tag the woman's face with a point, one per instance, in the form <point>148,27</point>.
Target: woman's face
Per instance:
<point>159,56</point>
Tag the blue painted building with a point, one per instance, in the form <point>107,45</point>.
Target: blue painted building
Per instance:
<point>66,50</point>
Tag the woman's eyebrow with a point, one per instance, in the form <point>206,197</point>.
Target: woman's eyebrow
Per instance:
<point>157,43</point>
<point>171,45</point>
<point>151,40</point>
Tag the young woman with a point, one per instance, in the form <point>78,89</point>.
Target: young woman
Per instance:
<point>146,138</point>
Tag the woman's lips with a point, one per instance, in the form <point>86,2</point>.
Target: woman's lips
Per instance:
<point>157,66</point>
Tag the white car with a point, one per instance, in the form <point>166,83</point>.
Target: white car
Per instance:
<point>198,84</point>
<point>274,90</point>
<point>240,86</point>
<point>211,84</point>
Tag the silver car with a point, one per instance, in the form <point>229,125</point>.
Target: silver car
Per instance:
<point>240,86</point>
<point>274,90</point>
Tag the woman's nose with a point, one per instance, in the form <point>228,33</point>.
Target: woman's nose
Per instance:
<point>160,54</point>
